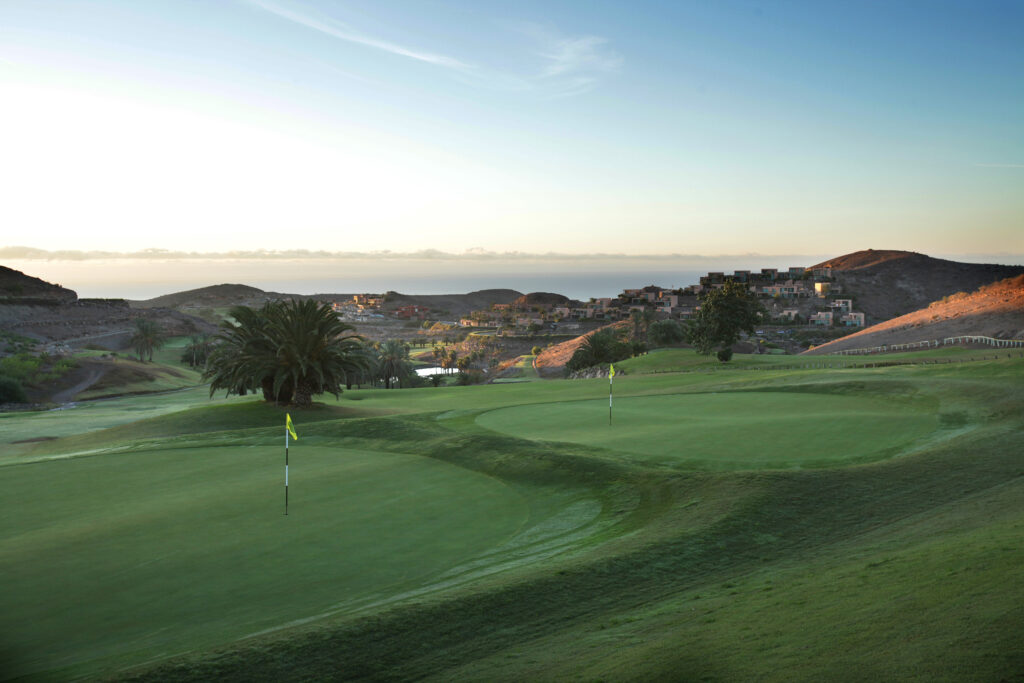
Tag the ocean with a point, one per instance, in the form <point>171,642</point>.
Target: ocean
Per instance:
<point>578,278</point>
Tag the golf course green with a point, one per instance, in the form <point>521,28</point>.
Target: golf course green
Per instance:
<point>726,430</point>
<point>791,524</point>
<point>189,538</point>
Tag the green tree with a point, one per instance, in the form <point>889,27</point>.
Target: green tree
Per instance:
<point>641,320</point>
<point>724,314</point>
<point>147,337</point>
<point>666,333</point>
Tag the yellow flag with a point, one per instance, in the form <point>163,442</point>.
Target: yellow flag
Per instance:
<point>290,427</point>
<point>611,371</point>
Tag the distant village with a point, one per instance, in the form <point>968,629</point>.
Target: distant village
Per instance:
<point>795,296</point>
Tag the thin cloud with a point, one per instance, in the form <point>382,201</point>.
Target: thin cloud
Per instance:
<point>344,32</point>
<point>570,65</point>
<point>585,54</point>
<point>21,253</point>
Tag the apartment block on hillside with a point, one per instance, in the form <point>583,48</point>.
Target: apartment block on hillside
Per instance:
<point>823,318</point>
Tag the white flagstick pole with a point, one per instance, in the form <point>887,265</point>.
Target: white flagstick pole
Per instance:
<point>286,469</point>
<point>611,379</point>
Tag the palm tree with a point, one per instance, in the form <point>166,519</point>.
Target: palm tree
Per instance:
<point>148,336</point>
<point>197,350</point>
<point>315,350</point>
<point>600,347</point>
<point>394,361</point>
<point>243,356</point>
<point>291,350</point>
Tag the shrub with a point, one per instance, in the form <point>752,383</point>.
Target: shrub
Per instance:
<point>536,350</point>
<point>666,332</point>
<point>468,376</point>
<point>21,367</point>
<point>11,391</point>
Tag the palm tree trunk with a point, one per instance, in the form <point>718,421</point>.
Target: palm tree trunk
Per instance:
<point>303,394</point>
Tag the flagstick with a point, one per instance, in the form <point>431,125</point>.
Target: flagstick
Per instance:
<point>610,380</point>
<point>286,470</point>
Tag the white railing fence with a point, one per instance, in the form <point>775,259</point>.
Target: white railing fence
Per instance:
<point>934,343</point>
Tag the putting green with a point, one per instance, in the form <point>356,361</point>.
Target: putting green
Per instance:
<point>116,559</point>
<point>726,430</point>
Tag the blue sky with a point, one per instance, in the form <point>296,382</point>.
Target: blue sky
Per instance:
<point>577,127</point>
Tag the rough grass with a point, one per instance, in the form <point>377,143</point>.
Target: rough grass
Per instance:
<point>901,568</point>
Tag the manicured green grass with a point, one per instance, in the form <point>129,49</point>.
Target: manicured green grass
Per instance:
<point>164,551</point>
<point>88,417</point>
<point>848,523</point>
<point>726,430</point>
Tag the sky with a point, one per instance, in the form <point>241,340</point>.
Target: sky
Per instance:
<point>575,128</point>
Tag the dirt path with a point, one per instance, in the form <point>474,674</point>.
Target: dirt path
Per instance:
<point>95,374</point>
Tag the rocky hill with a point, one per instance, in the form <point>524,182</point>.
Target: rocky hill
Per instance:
<point>995,310</point>
<point>887,284</point>
<point>18,288</point>
<point>55,318</point>
<point>542,299</point>
<point>212,297</point>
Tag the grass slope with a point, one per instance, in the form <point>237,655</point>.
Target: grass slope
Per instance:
<point>435,541</point>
